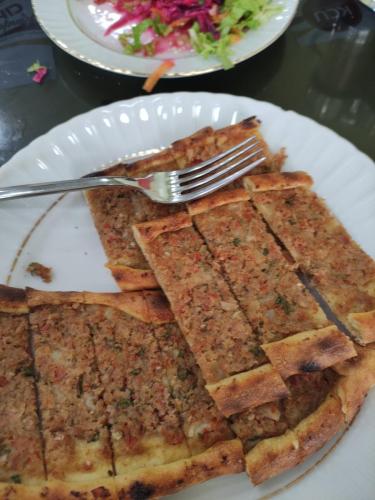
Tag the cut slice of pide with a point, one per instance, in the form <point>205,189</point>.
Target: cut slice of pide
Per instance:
<point>76,437</point>
<point>21,460</point>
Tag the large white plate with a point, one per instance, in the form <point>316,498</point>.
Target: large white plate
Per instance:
<point>77,26</point>
<point>64,236</point>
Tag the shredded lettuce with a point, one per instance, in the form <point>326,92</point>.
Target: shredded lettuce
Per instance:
<point>211,27</point>
<point>238,16</point>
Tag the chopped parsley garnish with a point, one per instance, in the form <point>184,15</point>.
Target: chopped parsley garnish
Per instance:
<point>136,371</point>
<point>27,371</point>
<point>80,385</point>
<point>265,251</point>
<point>284,304</point>
<point>124,403</point>
<point>236,242</point>
<point>16,478</point>
<point>257,351</point>
<point>94,437</point>
<point>182,373</point>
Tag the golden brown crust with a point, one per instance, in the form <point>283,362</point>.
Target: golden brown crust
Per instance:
<point>248,390</point>
<point>148,231</point>
<point>363,326</point>
<point>272,456</point>
<point>59,490</point>
<point>309,351</point>
<point>278,454</point>
<point>277,181</point>
<point>12,300</point>
<point>358,376</point>
<point>153,482</point>
<point>168,157</point>
<point>130,279</point>
<point>217,200</point>
<point>159,311</point>
<point>37,298</point>
<point>149,307</point>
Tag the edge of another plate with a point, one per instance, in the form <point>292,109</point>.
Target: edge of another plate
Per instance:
<point>78,45</point>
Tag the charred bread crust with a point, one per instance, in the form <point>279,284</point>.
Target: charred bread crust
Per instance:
<point>217,200</point>
<point>150,308</point>
<point>59,490</point>
<point>247,390</point>
<point>130,279</point>
<point>309,351</point>
<point>278,454</point>
<point>148,231</point>
<point>12,300</point>
<point>363,326</point>
<point>358,376</point>
<point>277,181</point>
<point>159,311</point>
<point>153,482</point>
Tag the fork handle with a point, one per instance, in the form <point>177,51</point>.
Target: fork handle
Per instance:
<point>28,190</point>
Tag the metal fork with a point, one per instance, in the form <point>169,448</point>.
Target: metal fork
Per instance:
<point>177,186</point>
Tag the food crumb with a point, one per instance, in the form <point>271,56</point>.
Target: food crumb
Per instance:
<point>43,272</point>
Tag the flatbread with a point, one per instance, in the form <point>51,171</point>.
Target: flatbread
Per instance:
<point>123,406</point>
<point>21,459</point>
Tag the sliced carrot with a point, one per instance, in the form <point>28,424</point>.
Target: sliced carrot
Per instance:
<point>155,76</point>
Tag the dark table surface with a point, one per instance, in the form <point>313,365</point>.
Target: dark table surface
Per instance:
<point>322,67</point>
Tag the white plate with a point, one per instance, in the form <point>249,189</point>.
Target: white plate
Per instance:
<point>64,236</point>
<point>77,26</point>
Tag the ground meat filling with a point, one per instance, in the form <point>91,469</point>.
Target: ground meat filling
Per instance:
<point>70,392</point>
<point>136,390</point>
<point>20,441</point>
<point>340,270</point>
<point>202,423</point>
<point>275,301</point>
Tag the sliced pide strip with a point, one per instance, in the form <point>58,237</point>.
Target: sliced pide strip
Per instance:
<point>202,423</point>
<point>114,210</point>
<point>248,390</point>
<point>76,438</point>
<point>342,273</point>
<point>275,455</point>
<point>145,425</point>
<point>221,459</point>
<point>264,282</point>
<point>309,351</point>
<point>214,326</point>
<point>21,458</point>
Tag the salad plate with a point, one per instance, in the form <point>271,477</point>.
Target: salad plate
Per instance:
<point>59,233</point>
<point>80,27</point>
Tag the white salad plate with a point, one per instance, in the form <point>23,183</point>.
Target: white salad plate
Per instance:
<point>58,232</point>
<point>78,26</point>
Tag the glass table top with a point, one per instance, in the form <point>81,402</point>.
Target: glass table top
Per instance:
<point>322,67</point>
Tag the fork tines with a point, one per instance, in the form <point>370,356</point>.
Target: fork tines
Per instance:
<point>208,176</point>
